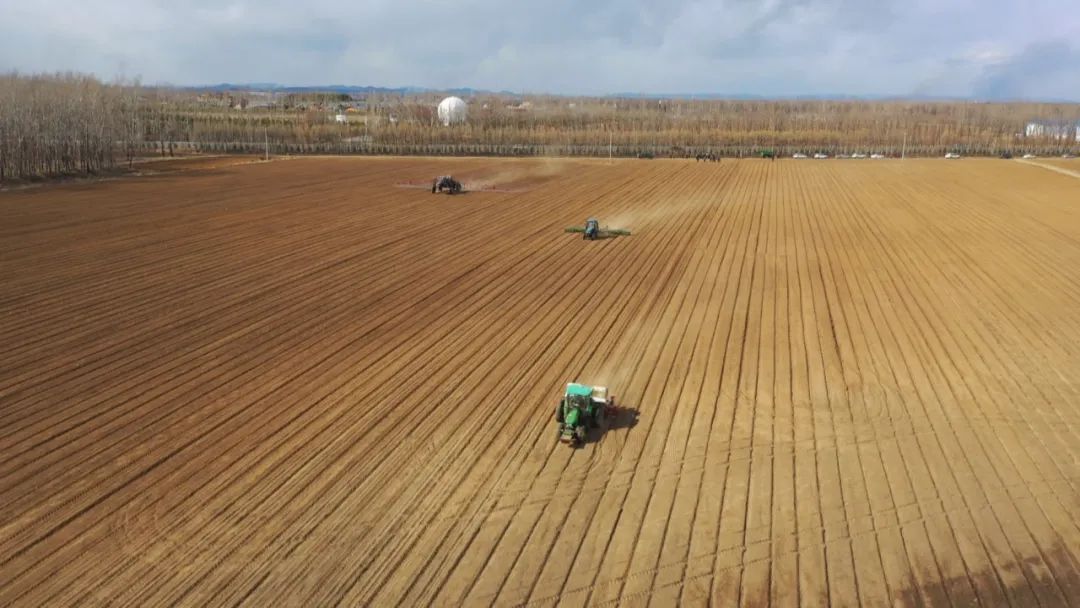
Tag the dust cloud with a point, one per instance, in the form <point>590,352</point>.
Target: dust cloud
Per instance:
<point>544,168</point>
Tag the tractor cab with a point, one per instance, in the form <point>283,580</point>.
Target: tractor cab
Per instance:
<point>579,393</point>
<point>592,228</point>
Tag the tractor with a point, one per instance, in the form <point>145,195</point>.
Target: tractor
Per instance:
<point>446,183</point>
<point>593,231</point>
<point>580,409</point>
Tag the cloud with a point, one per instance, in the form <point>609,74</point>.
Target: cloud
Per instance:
<point>766,47</point>
<point>1047,69</point>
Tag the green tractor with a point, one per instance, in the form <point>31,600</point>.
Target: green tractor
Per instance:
<point>580,409</point>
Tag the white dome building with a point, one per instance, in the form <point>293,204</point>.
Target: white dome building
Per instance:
<point>452,110</point>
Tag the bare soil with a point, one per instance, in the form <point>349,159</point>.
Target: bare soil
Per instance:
<point>294,383</point>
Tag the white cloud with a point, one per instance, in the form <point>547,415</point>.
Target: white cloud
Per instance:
<point>766,47</point>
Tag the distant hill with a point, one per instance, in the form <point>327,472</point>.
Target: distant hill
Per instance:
<point>752,97</point>
<point>470,92</point>
<point>340,88</point>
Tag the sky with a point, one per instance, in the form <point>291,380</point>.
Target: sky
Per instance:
<point>984,49</point>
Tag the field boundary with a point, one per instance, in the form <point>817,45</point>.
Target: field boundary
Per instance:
<point>1050,167</point>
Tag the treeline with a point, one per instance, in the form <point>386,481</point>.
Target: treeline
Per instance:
<point>832,126</point>
<point>828,125</point>
<point>65,124</point>
<point>70,123</point>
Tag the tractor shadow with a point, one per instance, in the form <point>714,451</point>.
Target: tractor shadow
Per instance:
<point>624,418</point>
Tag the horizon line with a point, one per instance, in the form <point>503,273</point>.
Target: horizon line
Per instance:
<point>719,96</point>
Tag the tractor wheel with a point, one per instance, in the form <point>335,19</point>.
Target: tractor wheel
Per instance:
<point>600,417</point>
<point>579,434</point>
<point>559,413</point>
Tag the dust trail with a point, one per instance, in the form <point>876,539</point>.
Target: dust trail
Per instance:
<point>548,167</point>
<point>634,219</point>
<point>613,377</point>
<point>623,219</point>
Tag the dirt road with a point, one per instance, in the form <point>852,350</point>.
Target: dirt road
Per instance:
<point>296,383</point>
<point>1063,166</point>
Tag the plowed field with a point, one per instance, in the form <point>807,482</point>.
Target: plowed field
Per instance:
<point>299,383</point>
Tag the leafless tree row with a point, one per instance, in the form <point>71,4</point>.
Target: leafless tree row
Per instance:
<point>65,124</point>
<point>553,121</point>
<point>69,123</point>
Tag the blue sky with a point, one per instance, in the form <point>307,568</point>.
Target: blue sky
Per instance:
<point>969,48</point>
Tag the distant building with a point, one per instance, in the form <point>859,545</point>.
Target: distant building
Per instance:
<point>1053,129</point>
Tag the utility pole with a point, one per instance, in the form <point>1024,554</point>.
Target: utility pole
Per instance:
<point>609,136</point>
<point>266,141</point>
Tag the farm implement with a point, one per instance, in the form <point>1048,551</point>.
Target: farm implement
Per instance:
<point>582,408</point>
<point>592,230</point>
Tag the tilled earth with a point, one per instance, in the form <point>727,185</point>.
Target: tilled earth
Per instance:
<point>298,383</point>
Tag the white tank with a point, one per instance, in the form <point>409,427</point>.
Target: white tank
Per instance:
<point>452,110</point>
